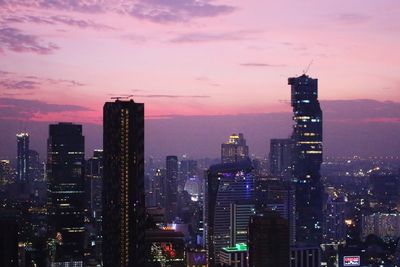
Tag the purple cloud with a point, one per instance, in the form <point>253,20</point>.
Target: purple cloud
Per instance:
<point>18,85</point>
<point>203,37</point>
<point>258,64</point>
<point>353,18</point>
<point>18,109</point>
<point>14,40</point>
<point>161,11</point>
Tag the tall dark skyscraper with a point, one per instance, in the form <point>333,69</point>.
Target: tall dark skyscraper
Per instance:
<point>235,149</point>
<point>22,160</point>
<point>307,158</point>
<point>171,187</point>
<point>123,184</point>
<point>65,173</point>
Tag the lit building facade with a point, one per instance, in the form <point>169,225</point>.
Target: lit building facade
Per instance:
<point>226,184</point>
<point>383,225</point>
<point>234,256</point>
<point>307,158</point>
<point>23,161</point>
<point>123,184</point>
<point>235,150</point>
<point>65,170</point>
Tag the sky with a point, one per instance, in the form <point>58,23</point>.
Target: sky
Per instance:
<point>201,60</point>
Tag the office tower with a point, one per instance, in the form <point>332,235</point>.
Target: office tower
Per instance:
<point>335,215</point>
<point>235,149</point>
<point>226,183</point>
<point>272,194</point>
<point>6,172</point>
<point>123,184</point>
<point>94,180</point>
<point>307,158</point>
<point>268,240</point>
<point>171,187</point>
<point>280,157</point>
<point>305,256</point>
<point>23,161</point>
<point>235,256</point>
<point>240,213</point>
<point>65,172</point>
<point>8,240</point>
<point>35,167</point>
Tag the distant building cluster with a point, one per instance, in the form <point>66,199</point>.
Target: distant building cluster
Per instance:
<point>116,207</point>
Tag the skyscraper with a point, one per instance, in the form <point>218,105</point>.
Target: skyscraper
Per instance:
<point>226,183</point>
<point>307,158</point>
<point>123,184</point>
<point>280,157</point>
<point>23,161</point>
<point>65,170</point>
<point>268,241</point>
<point>235,149</point>
<point>171,187</point>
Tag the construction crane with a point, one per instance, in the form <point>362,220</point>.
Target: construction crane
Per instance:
<point>308,67</point>
<point>121,97</point>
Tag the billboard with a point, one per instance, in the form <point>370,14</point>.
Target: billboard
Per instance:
<point>351,261</point>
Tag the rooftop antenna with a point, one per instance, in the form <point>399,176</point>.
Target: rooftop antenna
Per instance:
<point>308,67</point>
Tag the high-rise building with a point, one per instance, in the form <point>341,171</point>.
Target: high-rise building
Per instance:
<point>273,194</point>
<point>123,184</point>
<point>335,215</point>
<point>35,172</point>
<point>280,157</point>
<point>268,240</point>
<point>171,180</point>
<point>187,170</point>
<point>226,184</point>
<point>307,158</point>
<point>235,150</point>
<point>239,221</point>
<point>65,172</point>
<point>23,161</point>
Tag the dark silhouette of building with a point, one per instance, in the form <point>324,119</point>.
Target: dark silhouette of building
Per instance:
<point>8,240</point>
<point>273,194</point>
<point>123,184</point>
<point>235,149</point>
<point>226,184</point>
<point>307,158</point>
<point>65,173</point>
<point>34,167</point>
<point>268,240</point>
<point>280,157</point>
<point>171,187</point>
<point>305,256</point>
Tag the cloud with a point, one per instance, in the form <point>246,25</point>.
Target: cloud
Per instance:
<point>14,108</point>
<point>161,11</point>
<point>14,40</point>
<point>85,6</point>
<point>258,64</point>
<point>54,20</point>
<point>18,85</point>
<point>353,18</point>
<point>202,37</point>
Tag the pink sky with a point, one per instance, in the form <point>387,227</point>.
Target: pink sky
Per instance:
<point>188,57</point>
